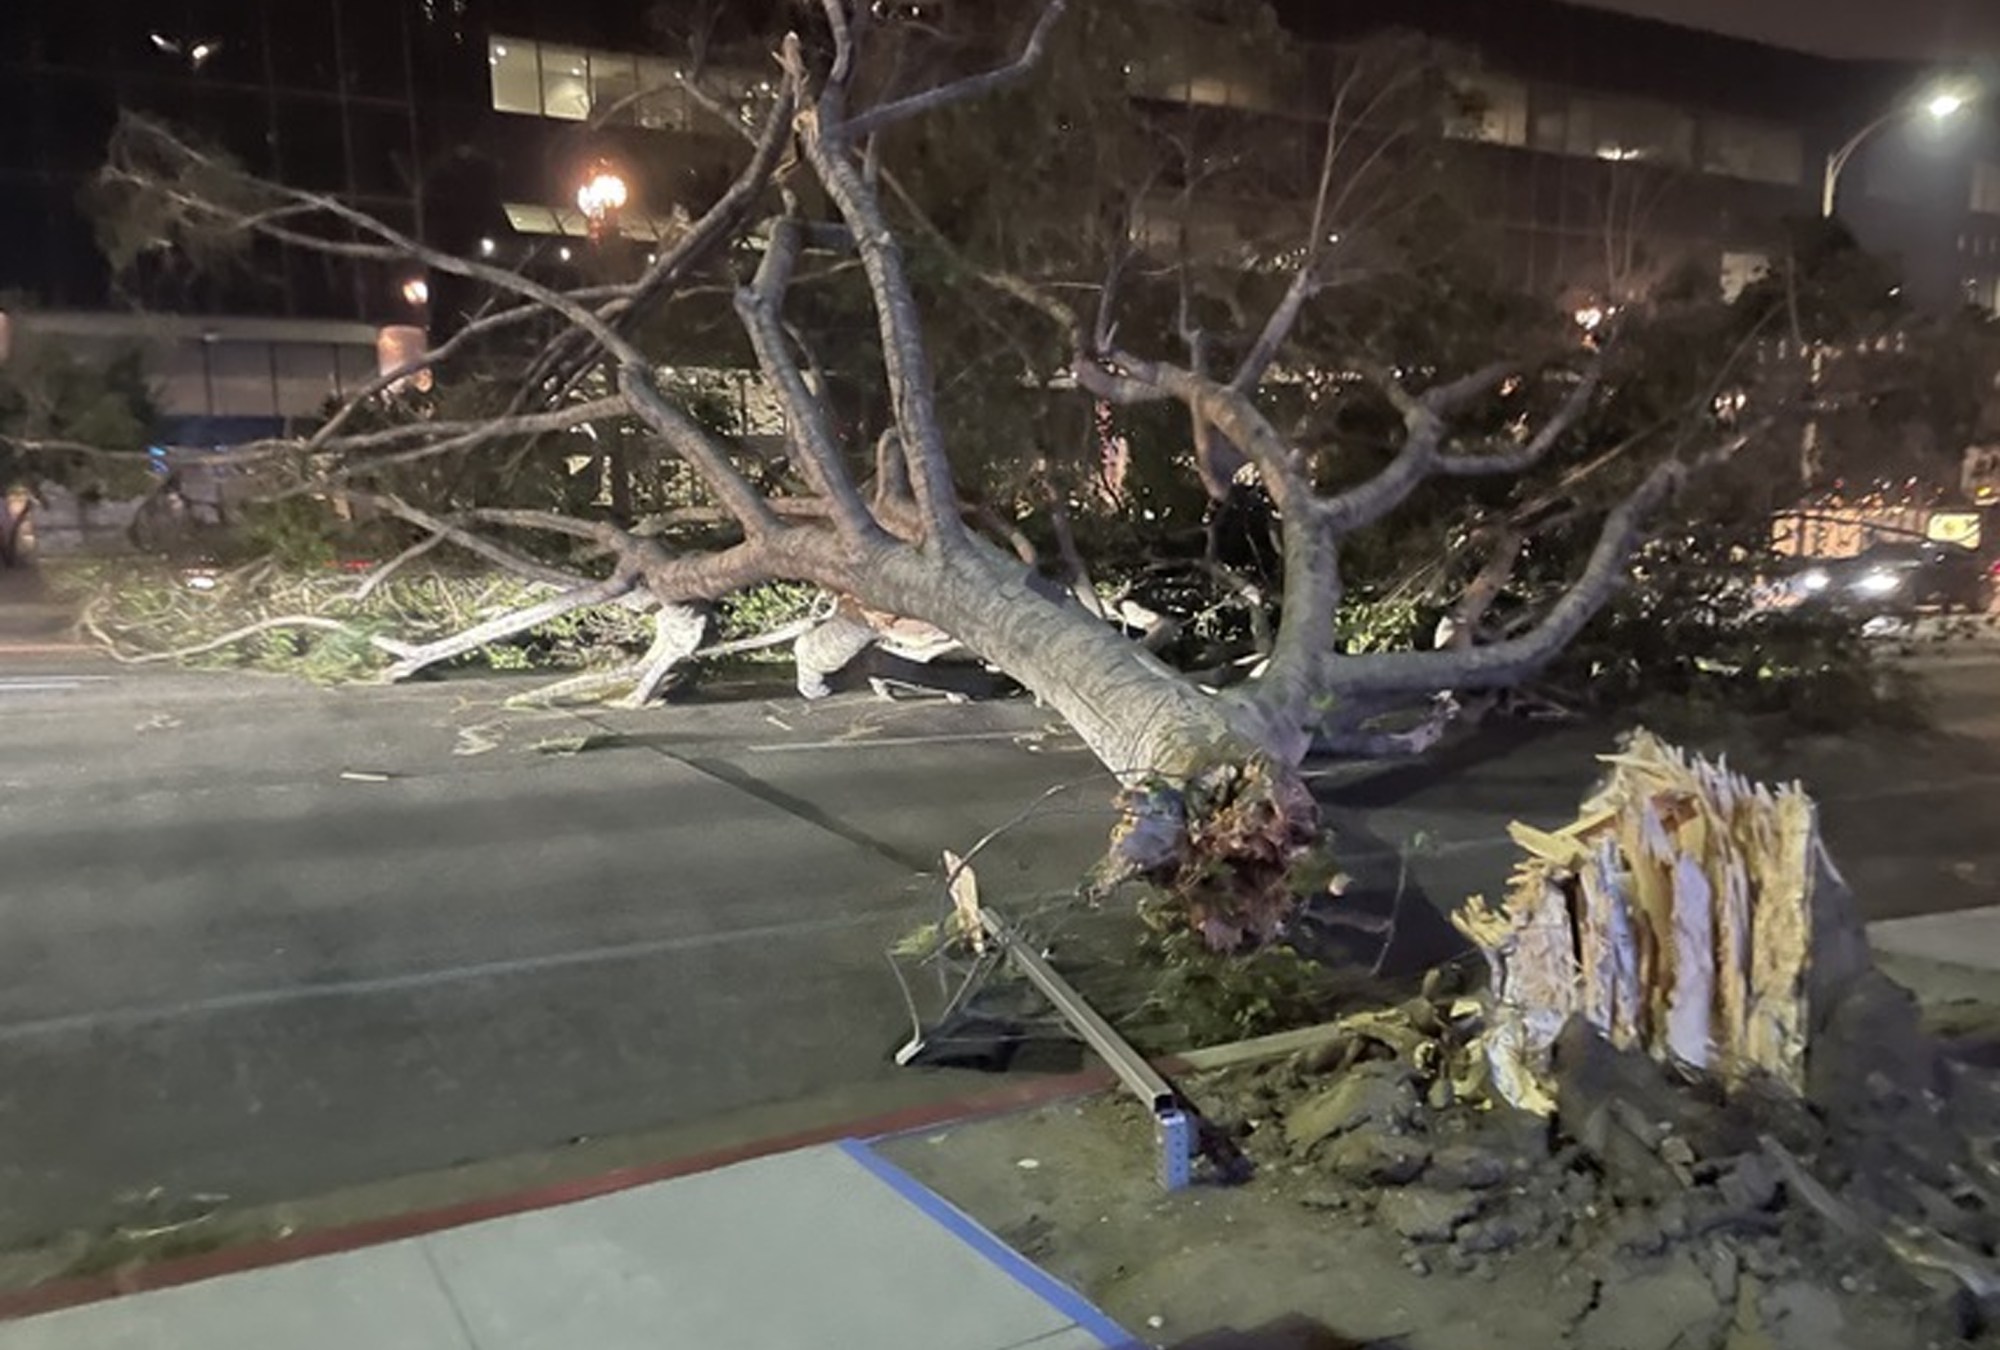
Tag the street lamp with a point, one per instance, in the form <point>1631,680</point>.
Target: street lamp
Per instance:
<point>602,196</point>
<point>1941,107</point>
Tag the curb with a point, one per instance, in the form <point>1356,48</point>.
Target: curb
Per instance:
<point>258,1255</point>
<point>76,1291</point>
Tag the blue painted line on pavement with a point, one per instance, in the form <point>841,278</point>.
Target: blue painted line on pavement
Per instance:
<point>1024,1272</point>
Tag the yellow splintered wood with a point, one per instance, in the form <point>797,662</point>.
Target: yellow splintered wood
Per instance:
<point>1675,915</point>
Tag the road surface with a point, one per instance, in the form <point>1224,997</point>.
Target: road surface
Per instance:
<point>264,941</point>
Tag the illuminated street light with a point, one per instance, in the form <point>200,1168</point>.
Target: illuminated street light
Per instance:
<point>417,291</point>
<point>602,196</point>
<point>1941,107</point>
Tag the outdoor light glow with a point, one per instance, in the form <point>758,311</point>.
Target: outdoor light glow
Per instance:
<point>1815,580</point>
<point>1946,105</point>
<point>602,194</point>
<point>1590,318</point>
<point>486,248</point>
<point>563,253</point>
<point>417,291</point>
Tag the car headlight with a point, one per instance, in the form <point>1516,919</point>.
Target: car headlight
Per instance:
<point>1815,581</point>
<point>1878,583</point>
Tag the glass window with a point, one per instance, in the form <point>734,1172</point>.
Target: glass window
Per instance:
<point>664,105</point>
<point>302,45</point>
<point>1986,188</point>
<point>312,154</point>
<point>1490,108</point>
<point>375,47</point>
<point>614,84</point>
<point>565,83</point>
<point>517,81</point>
<point>1627,129</point>
<point>1758,151</point>
<point>381,152</point>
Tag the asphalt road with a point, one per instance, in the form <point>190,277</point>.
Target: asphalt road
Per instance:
<point>263,941</point>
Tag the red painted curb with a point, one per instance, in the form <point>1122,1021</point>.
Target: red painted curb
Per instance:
<point>70,1293</point>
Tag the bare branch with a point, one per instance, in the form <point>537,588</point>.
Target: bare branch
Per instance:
<point>812,432</point>
<point>375,578</point>
<point>1526,456</point>
<point>972,86</point>
<point>411,659</point>
<point>1506,663</point>
<point>1284,318</point>
<point>1445,399</point>
<point>1419,459</point>
<point>905,357</point>
<point>470,541</point>
<point>692,442</point>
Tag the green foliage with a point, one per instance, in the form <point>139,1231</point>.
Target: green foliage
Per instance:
<point>1221,997</point>
<point>1690,634</point>
<point>47,394</point>
<point>295,533</point>
<point>763,608</point>
<point>142,609</point>
<point>1379,625</point>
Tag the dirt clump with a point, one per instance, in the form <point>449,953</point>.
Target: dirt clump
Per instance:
<point>1864,1213</point>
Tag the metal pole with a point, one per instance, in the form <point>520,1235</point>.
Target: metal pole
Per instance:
<point>1173,1126</point>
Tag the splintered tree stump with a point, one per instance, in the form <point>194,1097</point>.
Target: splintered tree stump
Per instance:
<point>1688,914</point>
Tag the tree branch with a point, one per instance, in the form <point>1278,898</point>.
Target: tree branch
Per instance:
<point>972,86</point>
<point>812,430</point>
<point>904,354</point>
<point>412,659</point>
<point>1506,663</point>
<point>469,541</point>
<point>1526,456</point>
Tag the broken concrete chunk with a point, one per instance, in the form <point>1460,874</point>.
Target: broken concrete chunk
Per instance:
<point>1373,1094</point>
<point>1420,1214</point>
<point>1468,1167</point>
<point>1667,1308</point>
<point>1378,1158</point>
<point>1751,1184</point>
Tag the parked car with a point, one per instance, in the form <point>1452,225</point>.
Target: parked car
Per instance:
<point>1900,578</point>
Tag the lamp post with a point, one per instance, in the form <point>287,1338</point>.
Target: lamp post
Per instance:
<point>1942,107</point>
<point>602,196</point>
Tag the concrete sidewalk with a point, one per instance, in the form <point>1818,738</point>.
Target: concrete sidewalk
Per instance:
<point>818,1249</point>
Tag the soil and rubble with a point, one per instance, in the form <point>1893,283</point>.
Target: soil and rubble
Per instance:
<point>1681,1117</point>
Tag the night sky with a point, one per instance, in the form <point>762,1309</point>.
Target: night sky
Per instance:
<point>1890,29</point>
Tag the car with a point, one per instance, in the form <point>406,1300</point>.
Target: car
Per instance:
<point>1899,578</point>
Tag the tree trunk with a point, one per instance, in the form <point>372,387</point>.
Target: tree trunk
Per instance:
<point>1213,810</point>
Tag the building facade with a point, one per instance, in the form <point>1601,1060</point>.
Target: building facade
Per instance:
<point>1600,153</point>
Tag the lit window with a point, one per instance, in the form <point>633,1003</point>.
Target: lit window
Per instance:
<point>1627,129</point>
<point>1752,150</point>
<point>517,82</point>
<point>1490,108</point>
<point>565,84</point>
<point>529,218</point>
<point>1986,189</point>
<point>614,86</point>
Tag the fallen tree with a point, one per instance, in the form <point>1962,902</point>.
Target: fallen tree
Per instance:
<point>1213,802</point>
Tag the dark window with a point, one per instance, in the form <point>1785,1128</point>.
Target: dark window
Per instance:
<point>311,152</point>
<point>303,55</point>
<point>374,51</point>
<point>381,151</point>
